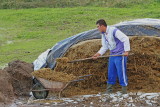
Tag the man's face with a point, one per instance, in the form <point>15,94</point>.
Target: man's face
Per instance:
<point>100,28</point>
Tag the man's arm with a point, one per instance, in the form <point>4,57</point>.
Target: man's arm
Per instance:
<point>123,38</point>
<point>102,50</point>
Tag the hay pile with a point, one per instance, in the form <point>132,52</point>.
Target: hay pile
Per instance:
<point>143,67</point>
<point>49,74</point>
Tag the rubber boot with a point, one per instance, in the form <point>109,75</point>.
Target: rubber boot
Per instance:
<point>124,89</point>
<point>109,88</point>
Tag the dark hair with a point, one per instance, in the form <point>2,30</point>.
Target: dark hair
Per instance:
<point>101,22</point>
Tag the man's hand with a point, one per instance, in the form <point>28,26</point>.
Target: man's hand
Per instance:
<point>96,55</point>
<point>126,53</point>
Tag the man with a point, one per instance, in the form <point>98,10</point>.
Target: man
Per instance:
<point>118,44</point>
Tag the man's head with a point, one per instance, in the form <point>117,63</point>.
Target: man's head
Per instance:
<point>101,25</point>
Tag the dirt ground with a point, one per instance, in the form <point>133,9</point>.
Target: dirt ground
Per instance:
<point>100,100</point>
<point>6,89</point>
<point>15,81</point>
<point>21,77</point>
<point>143,71</point>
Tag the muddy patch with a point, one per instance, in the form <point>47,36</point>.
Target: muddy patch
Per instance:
<point>6,89</point>
<point>15,80</point>
<point>21,77</point>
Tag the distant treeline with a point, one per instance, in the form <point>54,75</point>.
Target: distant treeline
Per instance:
<point>18,4</point>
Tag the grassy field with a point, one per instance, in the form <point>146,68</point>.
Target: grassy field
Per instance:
<point>26,33</point>
<point>18,4</point>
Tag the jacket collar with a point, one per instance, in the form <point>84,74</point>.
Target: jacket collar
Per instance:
<point>107,30</point>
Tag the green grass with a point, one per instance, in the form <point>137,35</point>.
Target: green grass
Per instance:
<point>17,4</point>
<point>26,33</point>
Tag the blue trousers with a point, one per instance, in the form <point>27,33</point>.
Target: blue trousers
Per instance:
<point>117,67</point>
